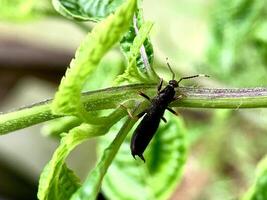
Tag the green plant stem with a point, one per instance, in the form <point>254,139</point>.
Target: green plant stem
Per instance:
<point>111,98</point>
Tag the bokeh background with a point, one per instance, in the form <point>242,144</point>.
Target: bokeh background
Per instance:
<point>226,39</point>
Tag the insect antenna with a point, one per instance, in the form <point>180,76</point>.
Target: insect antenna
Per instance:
<point>183,78</point>
<point>195,76</point>
<point>169,66</point>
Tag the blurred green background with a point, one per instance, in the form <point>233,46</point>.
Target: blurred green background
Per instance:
<point>226,39</point>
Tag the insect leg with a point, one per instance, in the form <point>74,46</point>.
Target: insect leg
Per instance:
<point>160,85</point>
<point>140,156</point>
<point>172,111</point>
<point>144,95</point>
<point>177,97</point>
<point>128,111</point>
<point>163,119</point>
<point>141,114</point>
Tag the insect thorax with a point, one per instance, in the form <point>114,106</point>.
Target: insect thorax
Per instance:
<point>167,94</point>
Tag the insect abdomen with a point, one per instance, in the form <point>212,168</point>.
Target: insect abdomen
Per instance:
<point>144,133</point>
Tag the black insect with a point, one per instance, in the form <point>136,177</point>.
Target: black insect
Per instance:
<point>152,115</point>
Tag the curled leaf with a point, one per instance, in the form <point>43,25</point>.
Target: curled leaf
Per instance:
<point>132,73</point>
<point>105,34</point>
<point>138,51</point>
<point>51,178</point>
<point>50,183</point>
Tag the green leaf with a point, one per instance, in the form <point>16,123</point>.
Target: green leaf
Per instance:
<point>98,79</point>
<point>55,127</point>
<point>62,125</point>
<point>50,183</point>
<point>89,10</point>
<point>91,186</point>
<point>132,179</point>
<point>68,183</point>
<point>136,40</point>
<point>258,191</point>
<point>261,32</point>
<point>50,180</point>
<point>232,26</point>
<point>96,44</point>
<point>131,74</point>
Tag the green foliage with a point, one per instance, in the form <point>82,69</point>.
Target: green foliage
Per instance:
<point>238,44</point>
<point>18,10</point>
<point>260,40</point>
<point>64,181</point>
<point>132,74</point>
<point>96,81</point>
<point>68,102</point>
<point>259,189</point>
<point>92,184</point>
<point>237,55</point>
<point>261,32</point>
<point>133,42</point>
<point>101,39</point>
<point>233,50</point>
<point>50,180</point>
<point>52,176</point>
<point>68,183</point>
<point>90,10</point>
<point>62,125</point>
<point>158,177</point>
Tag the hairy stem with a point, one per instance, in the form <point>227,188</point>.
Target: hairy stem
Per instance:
<point>111,98</point>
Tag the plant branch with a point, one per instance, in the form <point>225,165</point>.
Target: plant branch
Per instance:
<point>111,98</point>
